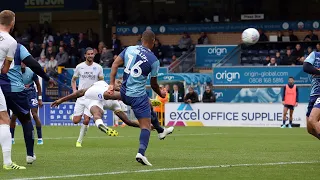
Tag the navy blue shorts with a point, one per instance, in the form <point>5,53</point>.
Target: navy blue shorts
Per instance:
<point>140,105</point>
<point>33,99</point>
<point>313,102</point>
<point>289,106</point>
<point>17,102</point>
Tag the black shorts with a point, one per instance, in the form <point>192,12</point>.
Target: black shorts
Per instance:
<point>17,102</point>
<point>289,106</point>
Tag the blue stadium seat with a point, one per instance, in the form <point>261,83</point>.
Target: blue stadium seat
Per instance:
<point>263,53</point>
<point>256,60</point>
<point>273,52</point>
<point>244,53</point>
<point>283,52</point>
<point>252,52</point>
<point>246,60</point>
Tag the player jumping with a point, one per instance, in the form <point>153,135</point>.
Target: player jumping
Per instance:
<point>311,66</point>
<point>29,78</point>
<point>8,48</point>
<point>87,72</point>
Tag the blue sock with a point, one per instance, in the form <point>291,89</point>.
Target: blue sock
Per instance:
<point>284,122</point>
<point>155,122</point>
<point>144,140</point>
<point>39,132</point>
<point>28,137</point>
<point>290,122</point>
<point>12,132</point>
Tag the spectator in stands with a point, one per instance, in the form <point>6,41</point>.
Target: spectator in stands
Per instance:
<point>160,109</point>
<point>64,45</point>
<point>50,53</point>
<point>263,37</point>
<point>43,50</point>
<point>43,61</point>
<point>278,58</point>
<point>191,96</point>
<point>292,37</point>
<point>17,36</point>
<point>106,58</point>
<point>266,60</point>
<point>273,62</point>
<point>116,44</point>
<point>93,38</point>
<point>208,96</point>
<point>101,45</point>
<point>318,47</point>
<point>311,36</point>
<point>288,59</point>
<point>47,38</point>
<point>139,40</point>
<point>62,57</point>
<point>174,63</point>
<point>33,50</point>
<point>157,49</point>
<point>167,86</point>
<point>97,55</point>
<point>66,38</point>
<point>73,53</point>
<point>203,38</point>
<point>25,38</point>
<point>51,67</point>
<point>176,96</point>
<point>280,35</point>
<point>83,43</point>
<point>298,54</point>
<point>309,50</point>
<point>51,45</point>
<point>184,43</point>
<point>57,38</point>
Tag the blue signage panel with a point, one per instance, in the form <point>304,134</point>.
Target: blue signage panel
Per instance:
<point>46,5</point>
<point>258,76</point>
<point>206,55</point>
<point>219,27</point>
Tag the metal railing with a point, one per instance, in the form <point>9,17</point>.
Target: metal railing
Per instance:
<point>225,59</point>
<point>185,63</point>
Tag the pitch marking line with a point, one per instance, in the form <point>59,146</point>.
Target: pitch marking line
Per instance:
<point>167,169</point>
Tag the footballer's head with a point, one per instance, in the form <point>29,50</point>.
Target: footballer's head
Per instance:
<point>148,39</point>
<point>7,20</point>
<point>89,54</point>
<point>118,84</point>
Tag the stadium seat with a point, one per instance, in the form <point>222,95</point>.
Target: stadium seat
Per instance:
<point>263,53</point>
<point>273,52</point>
<point>244,53</point>
<point>283,52</point>
<point>256,60</point>
<point>246,60</point>
<point>252,52</point>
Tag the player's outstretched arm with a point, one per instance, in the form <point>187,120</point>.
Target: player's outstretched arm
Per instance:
<point>114,69</point>
<point>310,69</point>
<point>74,95</point>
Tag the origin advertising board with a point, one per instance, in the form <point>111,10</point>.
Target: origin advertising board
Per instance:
<point>206,55</point>
<point>259,76</point>
<point>243,115</point>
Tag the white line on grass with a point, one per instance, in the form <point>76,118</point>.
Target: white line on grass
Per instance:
<point>167,169</point>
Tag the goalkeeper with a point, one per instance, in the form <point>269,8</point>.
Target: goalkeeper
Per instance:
<point>96,108</point>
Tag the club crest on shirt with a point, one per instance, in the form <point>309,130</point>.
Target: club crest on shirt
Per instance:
<point>94,68</point>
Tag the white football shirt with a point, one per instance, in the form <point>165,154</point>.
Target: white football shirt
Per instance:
<point>88,74</point>
<point>8,46</point>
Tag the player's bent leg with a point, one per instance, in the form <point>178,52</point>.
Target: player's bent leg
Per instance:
<point>284,116</point>
<point>310,129</point>
<point>125,119</point>
<point>34,112</point>
<point>97,114</point>
<point>13,127</point>
<point>314,120</point>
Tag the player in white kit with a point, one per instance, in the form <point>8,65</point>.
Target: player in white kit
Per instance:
<point>8,46</point>
<point>87,72</point>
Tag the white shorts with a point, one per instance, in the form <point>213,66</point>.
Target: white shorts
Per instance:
<point>112,105</point>
<point>123,106</point>
<point>80,107</point>
<point>3,104</point>
<point>95,92</point>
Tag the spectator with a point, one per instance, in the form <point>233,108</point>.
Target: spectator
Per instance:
<point>309,50</point>
<point>139,40</point>
<point>263,37</point>
<point>54,48</point>
<point>33,50</point>
<point>160,109</point>
<point>97,56</point>
<point>292,37</point>
<point>191,96</point>
<point>176,96</point>
<point>50,53</point>
<point>93,38</point>
<point>184,43</point>
<point>17,36</point>
<point>51,67</point>
<point>203,38</point>
<point>174,63</point>
<point>318,47</point>
<point>267,60</point>
<point>64,45</point>
<point>66,38</point>
<point>311,36</point>
<point>280,35</point>
<point>278,57</point>
<point>167,86</point>
<point>43,51</point>
<point>298,54</point>
<point>43,61</point>
<point>288,59</point>
<point>25,38</point>
<point>157,50</point>
<point>47,38</point>
<point>116,44</point>
<point>106,58</point>
<point>57,38</point>
<point>73,53</point>
<point>273,62</point>
<point>208,96</point>
<point>100,47</point>
<point>62,57</point>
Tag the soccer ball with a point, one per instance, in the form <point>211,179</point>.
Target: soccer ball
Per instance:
<point>250,36</point>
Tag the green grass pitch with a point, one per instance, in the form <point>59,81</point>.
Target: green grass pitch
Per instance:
<point>203,153</point>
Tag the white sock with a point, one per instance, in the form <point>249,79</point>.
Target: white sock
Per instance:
<point>83,132</point>
<point>6,144</point>
<point>98,122</point>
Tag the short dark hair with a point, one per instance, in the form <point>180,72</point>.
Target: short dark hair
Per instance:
<point>291,77</point>
<point>88,49</point>
<point>148,36</point>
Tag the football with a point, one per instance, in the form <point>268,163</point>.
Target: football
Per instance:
<point>250,36</point>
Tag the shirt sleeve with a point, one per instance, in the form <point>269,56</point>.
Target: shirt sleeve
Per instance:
<point>155,69</point>
<point>24,52</point>
<point>311,58</point>
<point>76,72</point>
<point>35,77</point>
<point>11,51</point>
<point>123,53</point>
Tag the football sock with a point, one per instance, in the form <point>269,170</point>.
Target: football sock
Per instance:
<point>12,132</point>
<point>39,132</point>
<point>290,122</point>
<point>83,131</point>
<point>28,137</point>
<point>5,142</point>
<point>144,140</point>
<point>155,122</point>
<point>283,122</point>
